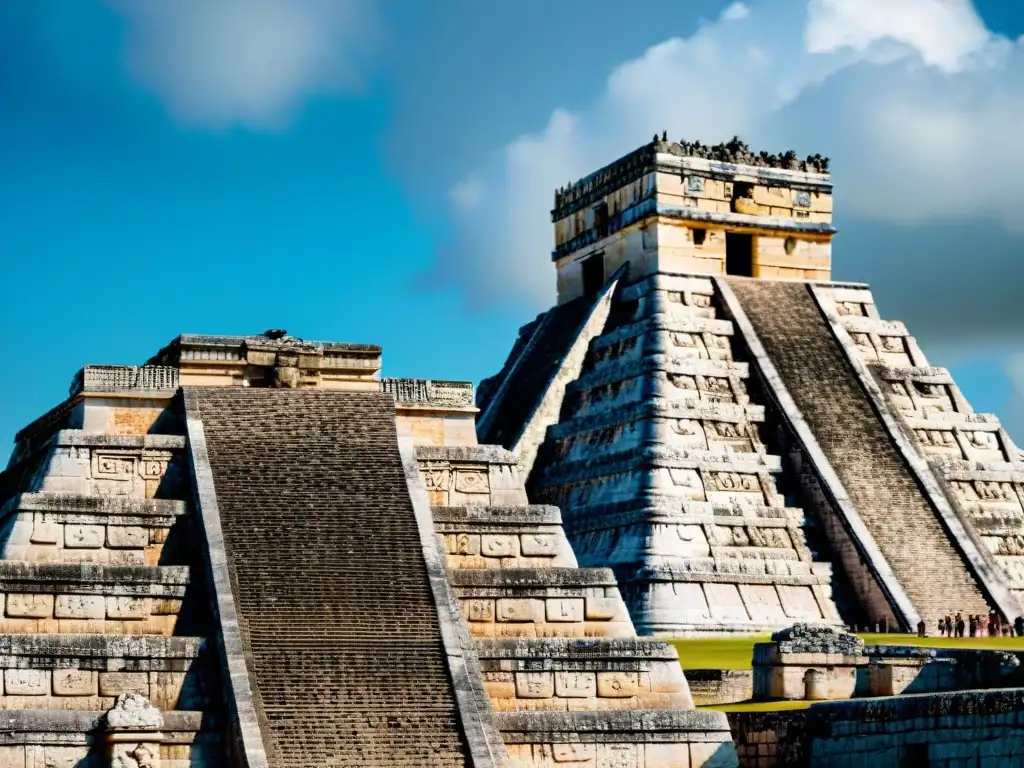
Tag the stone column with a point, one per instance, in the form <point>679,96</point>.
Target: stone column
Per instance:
<point>133,733</point>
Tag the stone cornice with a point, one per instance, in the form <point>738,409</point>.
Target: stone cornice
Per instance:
<point>725,162</point>
<point>649,208</point>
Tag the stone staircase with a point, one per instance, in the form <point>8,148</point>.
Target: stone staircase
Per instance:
<point>885,491</point>
<point>340,631</point>
<point>570,682</point>
<point>971,468</point>
<point>102,620</point>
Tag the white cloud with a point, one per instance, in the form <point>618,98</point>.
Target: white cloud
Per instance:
<point>468,193</point>
<point>946,33</point>
<point>735,12</point>
<point>218,63</point>
<point>919,105</point>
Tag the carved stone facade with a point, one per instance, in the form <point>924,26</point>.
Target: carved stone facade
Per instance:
<point>977,469</point>
<point>568,678</point>
<point>660,471</point>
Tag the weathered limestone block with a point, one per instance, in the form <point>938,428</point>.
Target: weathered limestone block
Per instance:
<point>668,739</point>
<point>140,466</point>
<point>133,733</point>
<point>80,607</point>
<point>26,682</point>
<point>480,537</point>
<point>582,675</point>
<point>29,606</point>
<point>75,682</point>
<point>781,667</point>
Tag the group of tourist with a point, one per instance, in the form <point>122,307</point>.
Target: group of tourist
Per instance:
<point>955,626</point>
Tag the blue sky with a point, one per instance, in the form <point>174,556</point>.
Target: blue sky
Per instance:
<point>381,172</point>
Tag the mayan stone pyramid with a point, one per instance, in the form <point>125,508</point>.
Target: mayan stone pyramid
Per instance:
<point>745,442</point>
<point>251,551</point>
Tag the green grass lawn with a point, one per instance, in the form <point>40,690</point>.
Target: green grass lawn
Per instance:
<point>737,652</point>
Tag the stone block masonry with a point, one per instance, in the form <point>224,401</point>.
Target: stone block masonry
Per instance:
<point>880,485</point>
<point>968,463</point>
<point>315,509</point>
<point>554,641</point>
<point>658,465</point>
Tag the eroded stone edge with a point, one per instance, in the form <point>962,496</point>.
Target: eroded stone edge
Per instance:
<point>861,536</point>
<point>546,412</point>
<point>984,569</point>
<point>233,660</point>
<point>486,747</point>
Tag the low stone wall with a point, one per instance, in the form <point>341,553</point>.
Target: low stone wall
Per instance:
<point>944,729</point>
<point>476,474</point>
<point>711,687</point>
<point>769,739</point>
<point>70,528</point>
<point>139,466</point>
<point>818,663</point>
<point>77,598</point>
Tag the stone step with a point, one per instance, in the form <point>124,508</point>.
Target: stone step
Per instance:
<point>645,739</point>
<point>84,598</point>
<point>663,323</point>
<point>570,674</point>
<point>75,528</point>
<point>47,737</point>
<point>88,672</point>
<point>628,413</point>
<point>701,595</point>
<point>542,602</point>
<point>471,474</point>
<point>721,473</point>
<point>665,509</point>
<point>488,536</point>
<point>674,365</point>
<point>140,466</point>
<point>650,510</point>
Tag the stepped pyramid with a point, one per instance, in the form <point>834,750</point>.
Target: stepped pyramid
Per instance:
<point>742,440</point>
<point>253,551</point>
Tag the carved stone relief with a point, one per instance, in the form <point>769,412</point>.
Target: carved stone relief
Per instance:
<point>688,433</point>
<point>851,309</point>
<point>689,345</point>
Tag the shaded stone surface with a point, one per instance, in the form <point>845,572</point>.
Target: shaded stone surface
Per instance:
<point>879,483</point>
<point>341,630</point>
<point>530,371</point>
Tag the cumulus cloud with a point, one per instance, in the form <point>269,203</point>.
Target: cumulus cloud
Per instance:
<point>218,63</point>
<point>945,33</point>
<point>916,101</point>
<point>735,12</point>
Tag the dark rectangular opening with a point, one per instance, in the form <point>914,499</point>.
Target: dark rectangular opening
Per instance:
<point>739,254</point>
<point>593,274</point>
<point>601,219</point>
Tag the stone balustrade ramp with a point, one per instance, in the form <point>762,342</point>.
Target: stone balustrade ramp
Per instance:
<point>339,625</point>
<point>880,485</point>
<point>528,376</point>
